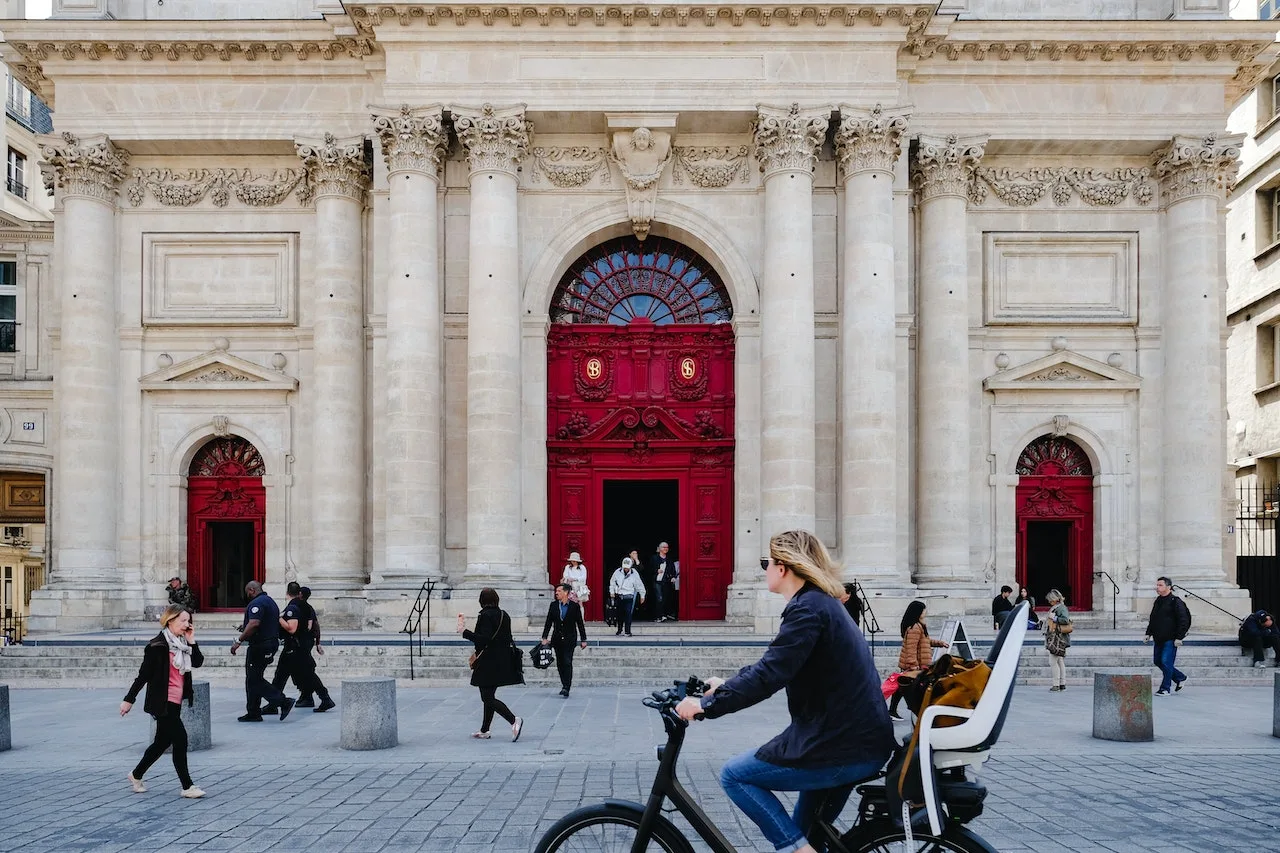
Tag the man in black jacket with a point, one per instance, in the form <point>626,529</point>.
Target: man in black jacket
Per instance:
<point>564,627</point>
<point>1001,606</point>
<point>1168,626</point>
<point>1256,633</point>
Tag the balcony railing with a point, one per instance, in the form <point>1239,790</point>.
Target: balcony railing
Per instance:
<point>16,187</point>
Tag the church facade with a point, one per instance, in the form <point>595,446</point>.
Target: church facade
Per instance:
<point>370,295</point>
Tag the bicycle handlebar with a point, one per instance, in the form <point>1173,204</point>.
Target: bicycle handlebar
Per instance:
<point>665,701</point>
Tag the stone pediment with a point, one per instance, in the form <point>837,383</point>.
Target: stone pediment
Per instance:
<point>217,371</point>
<point>1063,371</point>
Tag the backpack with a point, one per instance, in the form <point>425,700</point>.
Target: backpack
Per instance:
<point>951,681</point>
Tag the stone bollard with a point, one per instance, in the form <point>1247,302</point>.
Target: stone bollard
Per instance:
<point>1122,707</point>
<point>1275,711</point>
<point>369,713</point>
<point>196,719</point>
<point>6,734</point>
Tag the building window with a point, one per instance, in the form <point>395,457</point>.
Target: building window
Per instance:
<point>18,101</point>
<point>8,306</point>
<point>16,181</point>
<point>1268,9</point>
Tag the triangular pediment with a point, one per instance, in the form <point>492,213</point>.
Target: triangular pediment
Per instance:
<point>1063,371</point>
<point>217,371</point>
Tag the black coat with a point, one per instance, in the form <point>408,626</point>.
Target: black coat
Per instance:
<point>838,714</point>
<point>568,631</point>
<point>668,577</point>
<point>154,673</point>
<point>1170,619</point>
<point>496,666</point>
<point>1252,629</point>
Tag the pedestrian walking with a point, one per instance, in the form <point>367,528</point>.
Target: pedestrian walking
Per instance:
<point>1168,626</point>
<point>167,662</point>
<point>492,664</point>
<point>663,571</point>
<point>261,631</point>
<point>296,661</point>
<point>917,649</point>
<point>562,632</point>
<point>625,587</point>
<point>575,574</point>
<point>306,699</point>
<point>1057,639</point>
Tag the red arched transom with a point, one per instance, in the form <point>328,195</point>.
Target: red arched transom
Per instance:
<point>1051,455</point>
<point>228,457</point>
<point>624,279</point>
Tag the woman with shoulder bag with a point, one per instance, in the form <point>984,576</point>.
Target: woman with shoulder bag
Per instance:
<point>1057,625</point>
<point>492,664</point>
<point>166,668</point>
<point>917,649</point>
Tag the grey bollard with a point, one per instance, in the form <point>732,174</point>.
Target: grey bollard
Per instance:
<point>1275,712</point>
<point>6,734</point>
<point>196,719</point>
<point>369,713</point>
<point>1122,707</point>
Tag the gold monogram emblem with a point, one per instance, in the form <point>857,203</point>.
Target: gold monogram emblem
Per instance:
<point>688,367</point>
<point>594,368</point>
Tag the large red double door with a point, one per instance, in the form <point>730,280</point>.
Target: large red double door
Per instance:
<point>1055,521</point>
<point>640,451</point>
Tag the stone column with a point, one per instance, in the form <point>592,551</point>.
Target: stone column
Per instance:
<point>787,143</point>
<point>495,141</point>
<point>86,172</point>
<point>1194,173</point>
<point>413,143</point>
<point>868,145</point>
<point>339,171</point>
<point>943,166</point>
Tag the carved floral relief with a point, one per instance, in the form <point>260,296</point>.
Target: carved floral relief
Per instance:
<point>1094,187</point>
<point>710,167</point>
<point>188,187</point>
<point>569,167</point>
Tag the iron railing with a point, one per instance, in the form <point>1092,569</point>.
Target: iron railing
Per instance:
<point>1208,602</point>
<point>1115,592</point>
<point>16,187</point>
<point>413,622</point>
<point>13,629</point>
<point>1257,563</point>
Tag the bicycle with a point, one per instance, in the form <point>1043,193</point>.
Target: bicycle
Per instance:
<point>615,825</point>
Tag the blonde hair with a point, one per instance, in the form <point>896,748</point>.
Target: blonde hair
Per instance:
<point>173,611</point>
<point>1053,596</point>
<point>803,553</point>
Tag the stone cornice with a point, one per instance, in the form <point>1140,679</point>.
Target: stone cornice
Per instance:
<point>84,167</point>
<point>943,165</point>
<point>870,140</point>
<point>413,138</point>
<point>787,139</point>
<point>495,138</point>
<point>1197,166</point>
<point>336,167</point>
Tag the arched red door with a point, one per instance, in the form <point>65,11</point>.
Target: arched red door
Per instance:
<point>640,419</point>
<point>226,522</point>
<point>1055,521</point>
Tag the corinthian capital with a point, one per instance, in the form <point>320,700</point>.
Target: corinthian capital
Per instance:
<point>495,137</point>
<point>84,166</point>
<point>1193,166</point>
<point>336,167</point>
<point>413,138</point>
<point>944,164</point>
<point>870,140</point>
<point>788,139</point>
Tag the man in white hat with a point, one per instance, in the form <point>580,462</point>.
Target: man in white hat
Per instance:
<point>625,587</point>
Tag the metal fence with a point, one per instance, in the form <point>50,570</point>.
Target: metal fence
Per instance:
<point>13,629</point>
<point>1257,565</point>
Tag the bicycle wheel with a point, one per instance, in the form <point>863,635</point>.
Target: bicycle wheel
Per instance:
<point>606,828</point>
<point>883,837</point>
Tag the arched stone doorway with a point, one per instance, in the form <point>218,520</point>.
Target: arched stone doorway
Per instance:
<point>226,522</point>
<point>1055,520</point>
<point>640,418</point>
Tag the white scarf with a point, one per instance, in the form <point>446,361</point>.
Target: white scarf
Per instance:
<point>181,650</point>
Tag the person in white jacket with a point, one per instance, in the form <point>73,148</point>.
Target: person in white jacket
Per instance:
<point>575,574</point>
<point>625,587</point>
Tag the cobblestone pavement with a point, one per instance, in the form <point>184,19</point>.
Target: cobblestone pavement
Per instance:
<point>1206,783</point>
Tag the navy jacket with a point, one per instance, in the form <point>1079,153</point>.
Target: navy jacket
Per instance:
<point>838,714</point>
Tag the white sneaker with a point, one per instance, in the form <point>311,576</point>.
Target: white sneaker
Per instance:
<point>138,787</point>
<point>1259,664</point>
<point>192,793</point>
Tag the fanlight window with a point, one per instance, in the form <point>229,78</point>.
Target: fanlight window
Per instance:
<point>1052,456</point>
<point>227,457</point>
<point>657,279</point>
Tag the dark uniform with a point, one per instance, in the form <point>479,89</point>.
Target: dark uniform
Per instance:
<point>261,649</point>
<point>296,661</point>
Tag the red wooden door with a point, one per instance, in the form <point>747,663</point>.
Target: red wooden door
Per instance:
<point>1055,521</point>
<point>225,488</point>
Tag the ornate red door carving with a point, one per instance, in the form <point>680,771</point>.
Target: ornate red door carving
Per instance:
<point>643,402</point>
<point>1055,520</point>
<point>226,506</point>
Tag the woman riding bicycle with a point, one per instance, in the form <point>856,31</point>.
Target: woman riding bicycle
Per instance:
<point>840,732</point>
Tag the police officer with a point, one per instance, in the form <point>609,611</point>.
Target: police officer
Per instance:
<point>295,658</point>
<point>306,700</point>
<point>261,631</point>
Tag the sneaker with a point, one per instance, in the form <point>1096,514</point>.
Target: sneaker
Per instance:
<point>1258,664</point>
<point>564,691</point>
<point>308,702</point>
<point>249,718</point>
<point>286,708</point>
<point>270,710</point>
<point>480,735</point>
<point>138,787</point>
<point>325,705</point>
<point>619,633</point>
<point>628,633</point>
<point>1162,692</point>
<point>1054,689</point>
<point>192,793</point>
<point>1178,686</point>
<point>894,715</point>
<point>515,729</point>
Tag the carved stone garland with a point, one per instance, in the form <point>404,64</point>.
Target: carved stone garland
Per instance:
<point>336,167</point>
<point>1095,187</point>
<point>495,138</point>
<point>570,167</point>
<point>944,165</point>
<point>90,166</point>
<point>413,138</point>
<point>709,167</point>
<point>189,187</point>
<point>789,140</point>
<point>1197,166</point>
<point>870,140</point>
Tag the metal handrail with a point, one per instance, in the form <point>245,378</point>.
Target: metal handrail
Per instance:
<point>413,622</point>
<point>1208,602</point>
<point>1115,591</point>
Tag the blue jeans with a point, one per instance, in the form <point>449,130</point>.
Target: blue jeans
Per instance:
<point>749,782</point>
<point>1165,654</point>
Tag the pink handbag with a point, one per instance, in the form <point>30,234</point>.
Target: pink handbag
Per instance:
<point>890,685</point>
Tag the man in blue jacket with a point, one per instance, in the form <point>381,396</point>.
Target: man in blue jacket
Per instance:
<point>1168,626</point>
<point>261,630</point>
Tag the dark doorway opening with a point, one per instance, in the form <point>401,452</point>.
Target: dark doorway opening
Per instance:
<point>232,559</point>
<point>1048,556</point>
<point>638,514</point>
